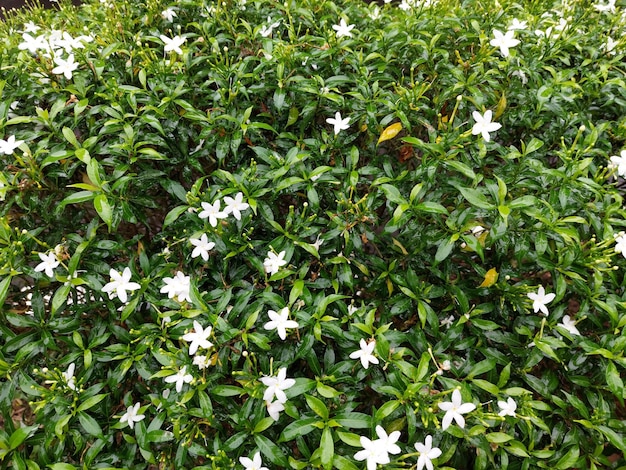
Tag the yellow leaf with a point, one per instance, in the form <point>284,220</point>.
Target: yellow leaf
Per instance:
<point>390,132</point>
<point>491,277</point>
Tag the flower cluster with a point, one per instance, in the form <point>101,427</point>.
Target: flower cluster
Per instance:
<point>274,395</point>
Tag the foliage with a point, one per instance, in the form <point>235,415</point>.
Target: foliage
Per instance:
<point>247,227</point>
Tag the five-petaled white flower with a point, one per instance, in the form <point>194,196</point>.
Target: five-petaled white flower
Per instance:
<point>31,43</point>
<point>212,212</point>
<point>173,44</point>
<point>177,286</point>
<point>202,247</point>
<point>619,162</point>
<point>454,410</point>
<point>131,416</point>
<point>202,362</point>
<point>8,146</point>
<point>274,408</point>
<point>276,386</point>
<point>252,464</point>
<point>273,262</point>
<point>198,338</point>
<point>388,441</point>
<point>168,14</point>
<point>338,123</point>
<point>68,375</point>
<point>427,453</point>
<point>540,300</point>
<point>620,243</point>
<point>507,408</point>
<point>343,29</point>
<point>235,206</point>
<point>266,31</point>
<point>280,321</point>
<point>570,325</point>
<point>48,263</point>
<point>377,451</point>
<point>517,24</point>
<point>484,125</point>
<point>504,41</point>
<point>65,66</point>
<point>606,7</point>
<point>365,354</point>
<point>181,377</point>
<point>120,283</point>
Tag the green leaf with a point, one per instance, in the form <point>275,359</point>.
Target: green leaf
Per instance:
<point>271,451</point>
<point>327,448</point>
<point>393,194</point>
<point>103,208</point>
<point>227,391</point>
<point>498,437</point>
<point>481,367</point>
<point>476,198</point>
<point>318,406</point>
<point>4,288</point>
<point>174,214</point>
<point>90,425</point>
<point>445,248</point>
<point>61,466</point>
<point>70,137</point>
<point>569,459</point>
<point>20,435</point>
<point>614,381</point>
<point>297,428</point>
<point>91,402</point>
<point>386,410</point>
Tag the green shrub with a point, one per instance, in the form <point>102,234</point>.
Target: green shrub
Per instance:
<point>313,235</point>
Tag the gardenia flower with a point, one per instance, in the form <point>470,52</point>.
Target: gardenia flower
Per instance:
<point>427,453</point>
<point>177,286</point>
<point>276,386</point>
<point>31,27</point>
<point>365,353</point>
<point>202,247</point>
<point>504,41</point>
<point>274,408</point>
<point>255,464</point>
<point>273,262</point>
<point>619,162</point>
<point>342,29</point>
<point>280,321</point>
<point>454,410</point>
<point>65,66</point>
<point>201,361</point>
<point>484,125</point>
<point>8,146</point>
<point>48,263</point>
<point>31,43</point>
<point>235,206</point>
<point>198,338</point>
<point>620,243</point>
<point>517,24</point>
<point>377,451</point>
<point>608,7</point>
<point>168,14</point>
<point>507,408</point>
<point>131,417</point>
<point>338,123</point>
<point>68,375</point>
<point>266,31</point>
<point>173,44</point>
<point>388,441</point>
<point>212,212</point>
<point>540,300</point>
<point>609,46</point>
<point>120,283</point>
<point>570,325</point>
<point>181,377</point>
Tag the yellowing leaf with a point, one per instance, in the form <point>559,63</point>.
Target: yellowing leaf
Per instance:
<point>491,277</point>
<point>390,132</point>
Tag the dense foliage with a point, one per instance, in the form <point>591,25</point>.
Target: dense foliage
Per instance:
<point>313,234</point>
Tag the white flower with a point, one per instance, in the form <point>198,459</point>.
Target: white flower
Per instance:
<point>254,464</point>
<point>375,452</point>
<point>365,353</point>
<point>65,66</point>
<point>484,125</point>
<point>68,375</point>
<point>342,29</point>
<point>620,244</point>
<point>181,377</point>
<point>120,283</point>
<point>173,44</point>
<point>606,7</point>
<point>274,408</point>
<point>517,24</point>
<point>8,146</point>
<point>570,325</point>
<point>131,417</point>
<point>212,212</point>
<point>388,442</point>
<point>235,206</point>
<point>619,162</point>
<point>375,13</point>
<point>504,41</point>
<point>427,453</point>
<point>48,263</point>
<point>454,410</point>
<point>168,14</point>
<point>202,247</point>
<point>448,321</point>
<point>177,286</point>
<point>202,362</point>
<point>198,338</point>
<point>273,262</point>
<point>609,46</point>
<point>31,27</point>
<point>540,300</point>
<point>507,408</point>
<point>338,123</point>
<point>31,43</point>
<point>276,386</point>
<point>266,31</point>
<point>280,321</point>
